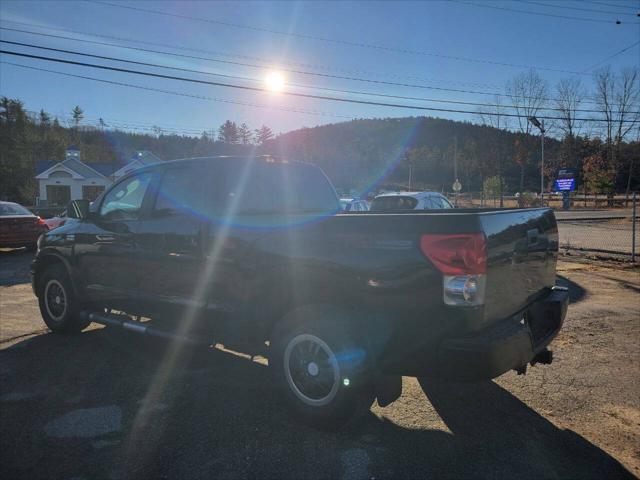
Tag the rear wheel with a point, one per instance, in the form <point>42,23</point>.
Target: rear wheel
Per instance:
<point>58,303</point>
<point>320,368</point>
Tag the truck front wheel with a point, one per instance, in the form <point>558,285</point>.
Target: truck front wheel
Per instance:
<point>58,303</point>
<point>320,368</point>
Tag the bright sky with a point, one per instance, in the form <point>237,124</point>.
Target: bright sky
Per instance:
<point>420,42</point>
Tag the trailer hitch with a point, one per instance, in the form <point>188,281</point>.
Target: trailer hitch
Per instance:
<point>543,357</point>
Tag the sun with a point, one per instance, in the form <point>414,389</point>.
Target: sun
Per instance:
<point>274,81</point>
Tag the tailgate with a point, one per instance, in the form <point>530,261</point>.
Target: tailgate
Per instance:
<point>522,250</point>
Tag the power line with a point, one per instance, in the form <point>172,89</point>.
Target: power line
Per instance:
<point>616,5</point>
<point>301,72</point>
<point>182,94</point>
<point>245,57</point>
<point>264,90</point>
<point>529,12</point>
<point>619,52</point>
<point>335,90</point>
<point>323,39</point>
<point>575,8</point>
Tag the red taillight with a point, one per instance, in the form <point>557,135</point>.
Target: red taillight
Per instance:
<point>456,254</point>
<point>42,223</point>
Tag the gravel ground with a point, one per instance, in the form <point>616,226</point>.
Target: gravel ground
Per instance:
<point>104,404</point>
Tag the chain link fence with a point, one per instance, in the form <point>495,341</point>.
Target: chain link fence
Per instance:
<point>592,225</point>
<point>614,236</point>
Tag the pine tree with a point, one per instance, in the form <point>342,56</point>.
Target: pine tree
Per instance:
<point>228,132</point>
<point>78,115</point>
<point>244,134</point>
<point>45,120</point>
<point>263,134</point>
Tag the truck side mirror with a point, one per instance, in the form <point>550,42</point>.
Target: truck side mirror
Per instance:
<point>78,209</point>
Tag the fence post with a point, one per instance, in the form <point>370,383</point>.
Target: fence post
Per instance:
<point>633,228</point>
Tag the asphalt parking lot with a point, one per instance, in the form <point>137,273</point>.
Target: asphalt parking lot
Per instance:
<point>106,404</point>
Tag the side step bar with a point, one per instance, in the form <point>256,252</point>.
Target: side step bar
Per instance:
<point>124,322</point>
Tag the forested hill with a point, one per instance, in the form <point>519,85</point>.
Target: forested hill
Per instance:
<point>360,154</point>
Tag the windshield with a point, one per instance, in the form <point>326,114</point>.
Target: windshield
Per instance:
<point>8,209</point>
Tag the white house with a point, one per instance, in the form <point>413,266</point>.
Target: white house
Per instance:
<point>72,179</point>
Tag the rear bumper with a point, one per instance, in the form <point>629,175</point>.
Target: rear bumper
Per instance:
<point>512,343</point>
<point>15,240</point>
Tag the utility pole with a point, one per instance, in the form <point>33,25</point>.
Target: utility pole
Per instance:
<point>455,167</point>
<point>542,165</point>
<point>410,162</point>
<point>540,126</point>
<point>633,229</point>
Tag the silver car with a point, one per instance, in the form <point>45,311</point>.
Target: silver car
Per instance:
<point>410,201</point>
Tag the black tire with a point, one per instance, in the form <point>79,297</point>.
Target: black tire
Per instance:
<point>59,305</point>
<point>320,368</point>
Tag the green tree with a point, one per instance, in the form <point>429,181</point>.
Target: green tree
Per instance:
<point>18,136</point>
<point>492,187</point>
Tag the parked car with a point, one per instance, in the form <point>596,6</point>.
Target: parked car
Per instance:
<point>347,303</point>
<point>19,227</point>
<point>410,201</point>
<point>354,205</point>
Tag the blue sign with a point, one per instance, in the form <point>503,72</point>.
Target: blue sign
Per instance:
<point>565,185</point>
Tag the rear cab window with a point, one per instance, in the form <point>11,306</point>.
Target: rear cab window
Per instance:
<point>261,188</point>
<point>399,202</point>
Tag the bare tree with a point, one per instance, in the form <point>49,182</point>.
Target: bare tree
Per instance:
<point>627,95</point>
<point>617,98</point>
<point>528,93</point>
<point>570,94</point>
<point>494,116</point>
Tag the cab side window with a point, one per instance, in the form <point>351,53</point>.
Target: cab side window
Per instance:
<point>181,192</point>
<point>124,201</point>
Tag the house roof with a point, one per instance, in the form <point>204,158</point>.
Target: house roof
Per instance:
<point>81,168</point>
<point>105,169</point>
<point>43,165</point>
<point>139,159</point>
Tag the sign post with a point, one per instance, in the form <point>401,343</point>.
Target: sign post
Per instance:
<point>457,186</point>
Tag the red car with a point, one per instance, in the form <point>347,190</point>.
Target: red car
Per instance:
<point>19,227</point>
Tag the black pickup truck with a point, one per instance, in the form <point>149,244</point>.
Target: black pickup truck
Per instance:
<point>253,252</point>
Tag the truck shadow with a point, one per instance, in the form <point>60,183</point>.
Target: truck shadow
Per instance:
<point>577,293</point>
<point>203,414</point>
